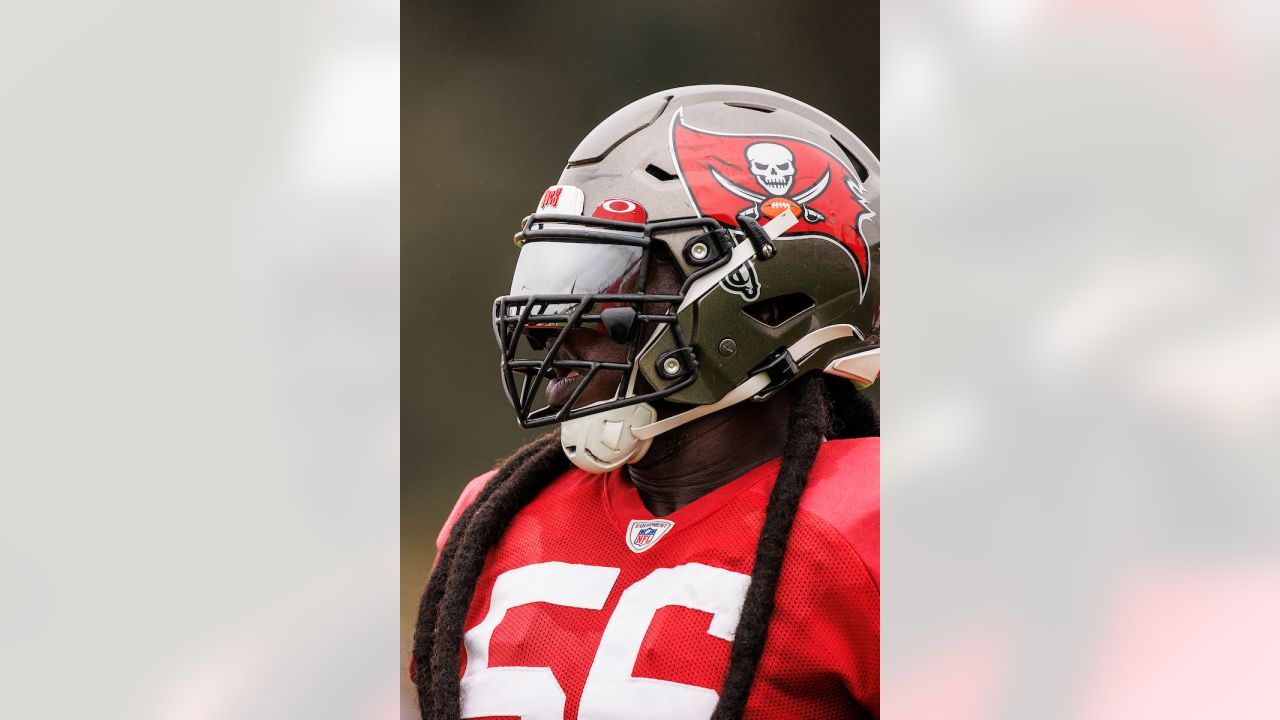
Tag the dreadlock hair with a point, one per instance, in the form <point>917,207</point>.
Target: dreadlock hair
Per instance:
<point>821,408</point>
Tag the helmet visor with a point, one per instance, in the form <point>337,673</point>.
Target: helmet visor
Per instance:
<point>565,268</point>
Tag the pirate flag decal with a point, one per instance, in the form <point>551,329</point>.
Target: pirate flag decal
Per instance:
<point>766,175</point>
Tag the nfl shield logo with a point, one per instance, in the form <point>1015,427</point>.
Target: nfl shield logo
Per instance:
<point>644,534</point>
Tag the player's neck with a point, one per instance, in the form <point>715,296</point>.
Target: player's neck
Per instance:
<point>690,462</point>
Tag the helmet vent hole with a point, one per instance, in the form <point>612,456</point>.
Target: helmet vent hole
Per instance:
<point>778,310</point>
<point>858,167</point>
<point>750,106</point>
<point>659,173</point>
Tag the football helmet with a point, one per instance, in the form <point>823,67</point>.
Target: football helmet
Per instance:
<point>767,210</point>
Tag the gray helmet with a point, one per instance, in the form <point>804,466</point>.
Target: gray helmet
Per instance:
<point>768,208</point>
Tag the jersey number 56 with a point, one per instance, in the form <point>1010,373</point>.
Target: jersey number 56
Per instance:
<point>610,692</point>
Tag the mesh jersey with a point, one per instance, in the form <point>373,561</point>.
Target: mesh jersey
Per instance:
<point>581,613</point>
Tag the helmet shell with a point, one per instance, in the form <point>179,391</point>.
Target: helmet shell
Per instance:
<point>718,151</point>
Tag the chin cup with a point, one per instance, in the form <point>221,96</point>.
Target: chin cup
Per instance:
<point>601,442</point>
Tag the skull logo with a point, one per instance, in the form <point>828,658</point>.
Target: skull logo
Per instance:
<point>773,165</point>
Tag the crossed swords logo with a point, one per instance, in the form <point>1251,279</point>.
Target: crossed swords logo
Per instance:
<point>774,167</point>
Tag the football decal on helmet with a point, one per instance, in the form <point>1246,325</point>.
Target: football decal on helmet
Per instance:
<point>764,176</point>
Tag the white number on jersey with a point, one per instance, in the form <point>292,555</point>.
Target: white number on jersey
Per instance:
<point>611,692</point>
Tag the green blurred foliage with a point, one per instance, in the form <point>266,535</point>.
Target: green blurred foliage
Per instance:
<point>494,96</point>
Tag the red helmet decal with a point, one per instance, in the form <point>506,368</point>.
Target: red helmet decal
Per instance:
<point>621,209</point>
<point>766,175</point>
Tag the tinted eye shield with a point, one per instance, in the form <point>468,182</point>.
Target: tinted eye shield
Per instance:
<point>598,277</point>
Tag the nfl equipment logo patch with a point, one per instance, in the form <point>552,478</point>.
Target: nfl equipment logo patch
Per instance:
<point>644,534</point>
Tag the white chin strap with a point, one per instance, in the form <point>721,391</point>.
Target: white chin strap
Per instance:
<point>606,440</point>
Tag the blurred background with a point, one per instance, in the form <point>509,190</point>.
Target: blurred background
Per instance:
<point>1080,473</point>
<point>199,305</point>
<point>203,325</point>
<point>494,98</point>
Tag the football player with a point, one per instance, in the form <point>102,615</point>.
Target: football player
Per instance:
<point>696,307</point>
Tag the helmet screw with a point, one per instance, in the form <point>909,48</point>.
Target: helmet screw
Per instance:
<point>699,251</point>
<point>728,347</point>
<point>767,251</point>
<point>671,366</point>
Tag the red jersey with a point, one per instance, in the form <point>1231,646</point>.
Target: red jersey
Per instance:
<point>590,608</point>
